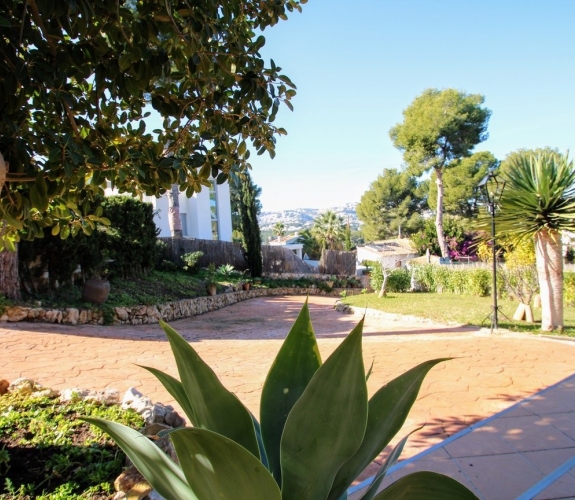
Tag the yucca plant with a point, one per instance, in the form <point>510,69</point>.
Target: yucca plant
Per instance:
<point>318,429</point>
<point>539,203</point>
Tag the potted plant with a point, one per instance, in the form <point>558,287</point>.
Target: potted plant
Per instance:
<point>96,289</point>
<point>247,284</point>
<point>210,280</point>
<point>330,281</point>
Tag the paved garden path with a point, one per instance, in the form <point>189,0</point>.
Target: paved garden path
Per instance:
<point>489,372</point>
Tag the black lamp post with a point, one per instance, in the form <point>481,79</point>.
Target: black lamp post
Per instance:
<point>492,187</point>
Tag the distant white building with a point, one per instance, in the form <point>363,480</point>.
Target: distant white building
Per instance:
<point>391,253</point>
<point>206,215</point>
<point>290,242</point>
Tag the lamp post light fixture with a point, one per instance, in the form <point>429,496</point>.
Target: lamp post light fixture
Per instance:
<point>492,186</point>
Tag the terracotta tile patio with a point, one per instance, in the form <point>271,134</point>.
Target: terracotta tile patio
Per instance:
<point>489,373</point>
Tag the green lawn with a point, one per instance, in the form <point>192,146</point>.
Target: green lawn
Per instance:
<point>464,309</point>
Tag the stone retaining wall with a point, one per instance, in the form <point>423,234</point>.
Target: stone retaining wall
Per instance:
<point>138,315</point>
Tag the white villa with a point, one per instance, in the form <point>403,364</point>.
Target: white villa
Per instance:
<point>290,242</point>
<point>391,253</point>
<point>206,215</point>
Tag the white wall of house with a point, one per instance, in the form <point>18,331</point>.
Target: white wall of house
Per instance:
<point>198,218</point>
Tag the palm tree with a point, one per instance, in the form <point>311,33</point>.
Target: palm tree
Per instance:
<point>329,230</point>
<point>539,202</point>
<point>279,229</point>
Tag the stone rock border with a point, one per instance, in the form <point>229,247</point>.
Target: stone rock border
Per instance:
<point>141,315</point>
<point>157,418</point>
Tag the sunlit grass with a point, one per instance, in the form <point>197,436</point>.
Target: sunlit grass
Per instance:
<point>461,309</point>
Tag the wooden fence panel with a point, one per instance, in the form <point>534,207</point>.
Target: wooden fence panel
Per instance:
<point>278,259</point>
<point>217,252</point>
<point>337,262</point>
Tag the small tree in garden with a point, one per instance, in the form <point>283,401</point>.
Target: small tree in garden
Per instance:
<point>329,230</point>
<point>539,202</point>
<point>279,229</point>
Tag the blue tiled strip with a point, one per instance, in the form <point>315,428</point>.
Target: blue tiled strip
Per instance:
<point>547,480</point>
<point>367,482</point>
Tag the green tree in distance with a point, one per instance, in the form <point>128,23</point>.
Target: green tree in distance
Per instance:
<point>79,78</point>
<point>279,229</point>
<point>394,200</point>
<point>460,184</point>
<point>236,199</point>
<point>539,202</point>
<point>329,230</point>
<point>439,128</point>
<point>248,209</point>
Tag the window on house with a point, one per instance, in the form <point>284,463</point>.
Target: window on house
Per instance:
<point>184,219</point>
<point>214,211</point>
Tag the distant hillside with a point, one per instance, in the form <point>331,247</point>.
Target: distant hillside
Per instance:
<point>301,218</point>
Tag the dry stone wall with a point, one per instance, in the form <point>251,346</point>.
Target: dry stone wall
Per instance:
<point>139,315</point>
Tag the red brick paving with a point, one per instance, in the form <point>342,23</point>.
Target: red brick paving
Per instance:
<point>239,342</point>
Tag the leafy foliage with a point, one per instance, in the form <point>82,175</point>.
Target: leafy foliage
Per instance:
<point>439,128</point>
<point>467,281</point>
<point>51,453</point>
<point>460,241</point>
<point>329,230</point>
<point>318,430</point>
<point>539,195</point>
<point>77,82</point>
<point>394,200</point>
<point>460,183</point>
<point>248,207</point>
<point>191,261</point>
<point>129,242</point>
<point>398,279</point>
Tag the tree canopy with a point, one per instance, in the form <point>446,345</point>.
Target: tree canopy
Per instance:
<point>460,183</point>
<point>78,78</point>
<point>439,128</point>
<point>395,199</point>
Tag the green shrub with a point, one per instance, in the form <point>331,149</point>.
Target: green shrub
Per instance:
<point>130,240</point>
<point>479,282</point>
<point>569,289</point>
<point>460,280</point>
<point>318,430</point>
<point>399,280</point>
<point>191,261</point>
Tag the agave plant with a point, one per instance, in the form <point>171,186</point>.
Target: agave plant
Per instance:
<point>318,429</point>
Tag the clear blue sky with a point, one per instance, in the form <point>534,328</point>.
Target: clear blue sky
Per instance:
<point>358,65</point>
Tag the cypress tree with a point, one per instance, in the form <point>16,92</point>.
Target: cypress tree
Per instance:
<point>248,208</point>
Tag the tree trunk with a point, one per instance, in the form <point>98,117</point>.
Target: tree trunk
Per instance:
<point>9,278</point>
<point>439,216</point>
<point>549,258</point>
<point>174,212</point>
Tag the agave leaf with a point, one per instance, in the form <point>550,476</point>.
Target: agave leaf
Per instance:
<point>295,364</point>
<point>388,410</point>
<point>389,461</point>
<point>214,407</point>
<point>326,424</point>
<point>426,486</point>
<point>176,389</point>
<point>258,429</point>
<point>164,475</point>
<point>217,467</point>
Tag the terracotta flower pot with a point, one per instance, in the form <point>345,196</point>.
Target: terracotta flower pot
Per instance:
<point>246,286</point>
<point>96,291</point>
<point>211,290</point>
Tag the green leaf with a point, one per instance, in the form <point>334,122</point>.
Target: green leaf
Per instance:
<point>388,410</point>
<point>389,461</point>
<point>294,366</point>
<point>214,407</point>
<point>163,474</point>
<point>327,424</point>
<point>176,390</point>
<point>219,468</point>
<point>426,486</point>
<point>4,23</point>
